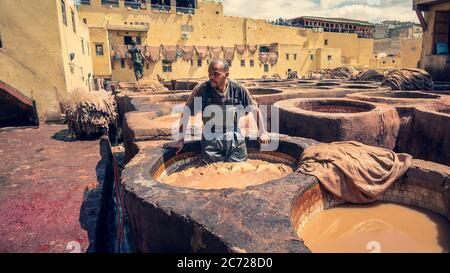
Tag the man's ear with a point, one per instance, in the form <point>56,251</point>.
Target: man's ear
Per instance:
<point>227,73</point>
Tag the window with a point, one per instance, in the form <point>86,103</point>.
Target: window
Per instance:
<point>266,68</point>
<point>72,13</point>
<point>242,63</point>
<point>1,42</point>
<point>311,57</point>
<point>287,56</point>
<point>264,49</point>
<point>199,63</point>
<point>295,56</point>
<point>85,20</point>
<point>229,63</point>
<point>325,41</point>
<point>330,58</point>
<point>139,40</point>
<point>82,45</point>
<point>63,10</point>
<point>166,66</point>
<point>99,50</point>
<point>112,3</point>
<point>252,63</point>
<point>192,62</point>
<point>88,50</point>
<point>127,40</point>
<point>122,63</point>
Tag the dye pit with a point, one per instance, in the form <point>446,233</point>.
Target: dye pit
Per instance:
<point>380,227</point>
<point>222,175</point>
<point>334,106</point>
<point>327,84</point>
<point>360,87</point>
<point>264,91</point>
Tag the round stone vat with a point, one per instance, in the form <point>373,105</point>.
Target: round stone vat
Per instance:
<point>166,218</point>
<point>429,136</point>
<point>264,91</point>
<point>306,81</point>
<point>324,83</point>
<point>418,203</point>
<point>329,120</point>
<point>185,84</point>
<point>394,97</point>
<point>191,172</point>
<point>158,103</point>
<point>359,86</point>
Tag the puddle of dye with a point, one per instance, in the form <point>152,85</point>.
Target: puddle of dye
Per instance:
<point>380,227</point>
<point>227,174</point>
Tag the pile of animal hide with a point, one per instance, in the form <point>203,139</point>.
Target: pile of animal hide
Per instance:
<point>408,79</point>
<point>91,114</point>
<point>369,75</point>
<point>149,85</point>
<point>342,72</point>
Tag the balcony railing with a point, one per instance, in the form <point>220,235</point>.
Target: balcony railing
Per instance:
<point>113,3</point>
<point>161,8</point>
<point>186,10</point>
<point>135,5</point>
<point>144,4</point>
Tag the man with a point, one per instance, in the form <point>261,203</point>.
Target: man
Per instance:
<point>136,58</point>
<point>226,142</point>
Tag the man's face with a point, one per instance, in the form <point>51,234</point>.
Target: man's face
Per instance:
<point>217,75</point>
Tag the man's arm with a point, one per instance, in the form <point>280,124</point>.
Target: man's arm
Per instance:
<point>263,136</point>
<point>178,144</point>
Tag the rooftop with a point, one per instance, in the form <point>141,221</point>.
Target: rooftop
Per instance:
<point>335,20</point>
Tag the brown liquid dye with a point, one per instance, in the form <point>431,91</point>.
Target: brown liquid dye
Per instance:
<point>379,227</point>
<point>227,174</point>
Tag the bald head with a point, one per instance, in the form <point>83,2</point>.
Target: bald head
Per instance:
<point>219,64</point>
<point>218,72</point>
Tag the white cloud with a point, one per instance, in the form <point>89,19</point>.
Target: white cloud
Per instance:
<point>368,10</point>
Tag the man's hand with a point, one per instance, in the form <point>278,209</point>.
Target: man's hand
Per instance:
<point>264,138</point>
<point>177,144</point>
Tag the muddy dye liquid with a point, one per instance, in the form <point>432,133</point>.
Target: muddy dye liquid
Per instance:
<point>227,174</point>
<point>380,227</point>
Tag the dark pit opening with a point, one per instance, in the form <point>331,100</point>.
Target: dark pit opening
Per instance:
<point>305,82</point>
<point>334,106</point>
<point>327,84</point>
<point>360,87</point>
<point>264,91</point>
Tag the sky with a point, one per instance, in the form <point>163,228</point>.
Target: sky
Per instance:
<point>368,10</point>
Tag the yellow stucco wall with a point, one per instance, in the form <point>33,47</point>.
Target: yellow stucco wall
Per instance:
<point>212,28</point>
<point>410,51</point>
<point>35,53</point>
<point>101,64</point>
<point>76,71</point>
